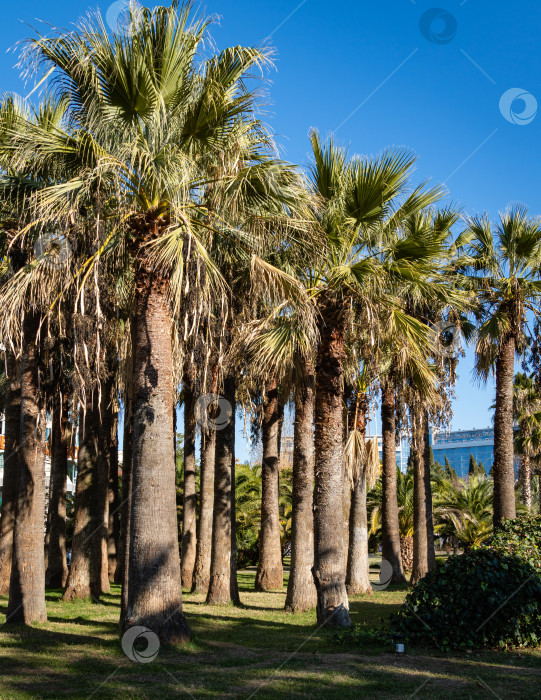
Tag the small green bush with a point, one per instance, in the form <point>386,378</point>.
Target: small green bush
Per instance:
<point>475,600</point>
<point>520,537</point>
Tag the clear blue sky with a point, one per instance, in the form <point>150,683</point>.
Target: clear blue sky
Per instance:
<point>367,72</point>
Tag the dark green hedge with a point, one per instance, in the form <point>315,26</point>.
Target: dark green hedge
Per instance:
<point>475,600</point>
<point>520,537</point>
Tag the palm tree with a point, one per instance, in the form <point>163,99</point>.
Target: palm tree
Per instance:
<point>125,515</point>
<point>270,572</point>
<point>525,404</point>
<point>426,393</point>
<point>464,510</point>
<point>504,268</point>
<point>204,532</point>
<point>24,326</point>
<point>285,341</point>
<point>361,459</point>
<point>403,368</point>
<point>56,573</point>
<point>358,200</point>
<point>404,500</point>
<point>156,148</point>
<point>223,587</point>
<point>27,585</point>
<point>11,471</point>
<point>301,592</point>
<point>189,509</point>
<point>201,576</point>
<point>363,465</point>
<point>390,542</point>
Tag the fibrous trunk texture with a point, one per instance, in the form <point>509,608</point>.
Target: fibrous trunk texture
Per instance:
<point>189,510</point>
<point>204,535</point>
<point>390,545</point>
<point>85,575</point>
<point>526,481</point>
<point>301,591</point>
<point>125,508</point>
<point>113,528</point>
<point>11,471</point>
<point>406,550</point>
<point>270,573</point>
<point>504,469</point>
<point>106,447</point>
<point>223,587</point>
<point>27,584</point>
<point>431,550</point>
<point>420,552</point>
<point>329,561</point>
<point>154,588</point>
<point>57,568</point>
<point>357,578</point>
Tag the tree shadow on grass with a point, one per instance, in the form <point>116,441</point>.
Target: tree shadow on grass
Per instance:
<point>113,626</point>
<point>44,640</point>
<point>325,676</point>
<point>54,595</point>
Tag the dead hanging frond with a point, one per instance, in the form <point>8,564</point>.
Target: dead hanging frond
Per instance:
<point>276,285</point>
<point>362,459</point>
<point>373,465</point>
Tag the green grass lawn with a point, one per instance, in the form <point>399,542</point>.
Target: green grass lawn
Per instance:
<point>253,651</point>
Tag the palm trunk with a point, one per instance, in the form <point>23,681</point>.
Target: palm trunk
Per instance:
<point>222,586</point>
<point>420,552</point>
<point>504,470</point>
<point>233,580</point>
<point>27,584</point>
<point>347,490</point>
<point>106,446</point>
<point>11,471</point>
<point>390,546</point>
<point>270,573</point>
<point>431,550</point>
<point>57,568</point>
<point>204,535</point>
<point>125,517</point>
<point>84,577</point>
<point>329,565</point>
<point>189,510</point>
<point>113,528</point>
<point>526,481</point>
<point>154,587</point>
<point>301,591</point>
<point>357,578</point>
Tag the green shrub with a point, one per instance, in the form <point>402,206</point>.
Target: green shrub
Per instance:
<point>520,537</point>
<point>478,599</point>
